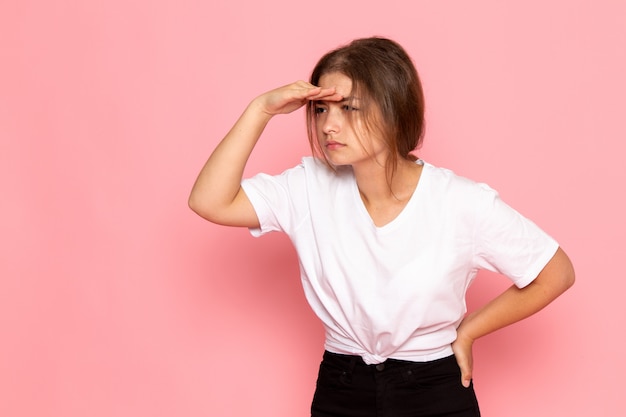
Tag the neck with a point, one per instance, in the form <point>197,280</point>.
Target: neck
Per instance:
<point>376,187</point>
<point>385,198</point>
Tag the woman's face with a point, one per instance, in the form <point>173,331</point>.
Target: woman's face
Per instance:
<point>341,129</point>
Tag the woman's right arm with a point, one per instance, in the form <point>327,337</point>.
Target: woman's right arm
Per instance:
<point>217,194</point>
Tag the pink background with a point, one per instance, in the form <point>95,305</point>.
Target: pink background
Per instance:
<point>116,300</point>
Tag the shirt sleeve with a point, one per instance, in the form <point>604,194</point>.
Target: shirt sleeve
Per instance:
<point>273,199</point>
<point>509,243</point>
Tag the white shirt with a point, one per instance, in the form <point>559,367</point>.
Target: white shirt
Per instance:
<point>396,291</point>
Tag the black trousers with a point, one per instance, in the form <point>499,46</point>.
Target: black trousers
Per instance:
<point>347,387</point>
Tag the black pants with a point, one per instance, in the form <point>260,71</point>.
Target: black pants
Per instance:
<point>347,387</point>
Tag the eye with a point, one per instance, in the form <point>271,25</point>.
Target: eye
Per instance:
<point>319,109</point>
<point>347,107</point>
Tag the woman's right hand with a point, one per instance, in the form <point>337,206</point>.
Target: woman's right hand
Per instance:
<point>217,194</point>
<point>291,97</point>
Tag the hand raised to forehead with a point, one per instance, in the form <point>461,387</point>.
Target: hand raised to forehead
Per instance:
<point>291,97</point>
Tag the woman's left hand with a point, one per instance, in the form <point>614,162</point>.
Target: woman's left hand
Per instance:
<point>512,305</point>
<point>462,348</point>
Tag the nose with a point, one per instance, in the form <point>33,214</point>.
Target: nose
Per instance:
<point>331,121</point>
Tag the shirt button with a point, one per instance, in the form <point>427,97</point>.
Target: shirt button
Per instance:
<point>380,366</point>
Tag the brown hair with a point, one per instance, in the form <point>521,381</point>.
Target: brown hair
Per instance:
<point>382,73</point>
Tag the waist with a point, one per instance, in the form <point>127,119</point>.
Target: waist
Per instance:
<point>405,354</point>
<point>356,361</point>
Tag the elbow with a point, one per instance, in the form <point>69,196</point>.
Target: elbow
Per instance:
<point>192,202</point>
<point>570,277</point>
<point>557,276</point>
<point>199,207</point>
<point>566,271</point>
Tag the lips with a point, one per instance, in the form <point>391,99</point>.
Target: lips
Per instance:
<point>332,145</point>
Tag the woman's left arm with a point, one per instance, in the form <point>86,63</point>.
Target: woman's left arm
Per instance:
<point>511,306</point>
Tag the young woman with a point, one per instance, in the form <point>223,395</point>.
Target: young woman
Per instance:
<point>387,244</point>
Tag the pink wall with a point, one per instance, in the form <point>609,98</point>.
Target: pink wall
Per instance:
<point>116,300</point>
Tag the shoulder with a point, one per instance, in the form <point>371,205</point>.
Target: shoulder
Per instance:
<point>318,171</point>
<point>447,183</point>
<point>308,166</point>
<point>318,166</point>
<point>310,173</point>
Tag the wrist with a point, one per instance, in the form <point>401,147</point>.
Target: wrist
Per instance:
<point>464,331</point>
<point>257,108</point>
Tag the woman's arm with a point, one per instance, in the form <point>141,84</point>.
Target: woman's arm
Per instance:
<point>217,194</point>
<point>511,306</point>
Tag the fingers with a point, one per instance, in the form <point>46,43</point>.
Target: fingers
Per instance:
<point>328,95</point>
<point>302,90</point>
<point>466,373</point>
<point>293,96</point>
<point>463,352</point>
<point>315,93</point>
<point>465,364</point>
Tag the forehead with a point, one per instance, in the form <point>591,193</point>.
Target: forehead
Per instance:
<point>341,82</point>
